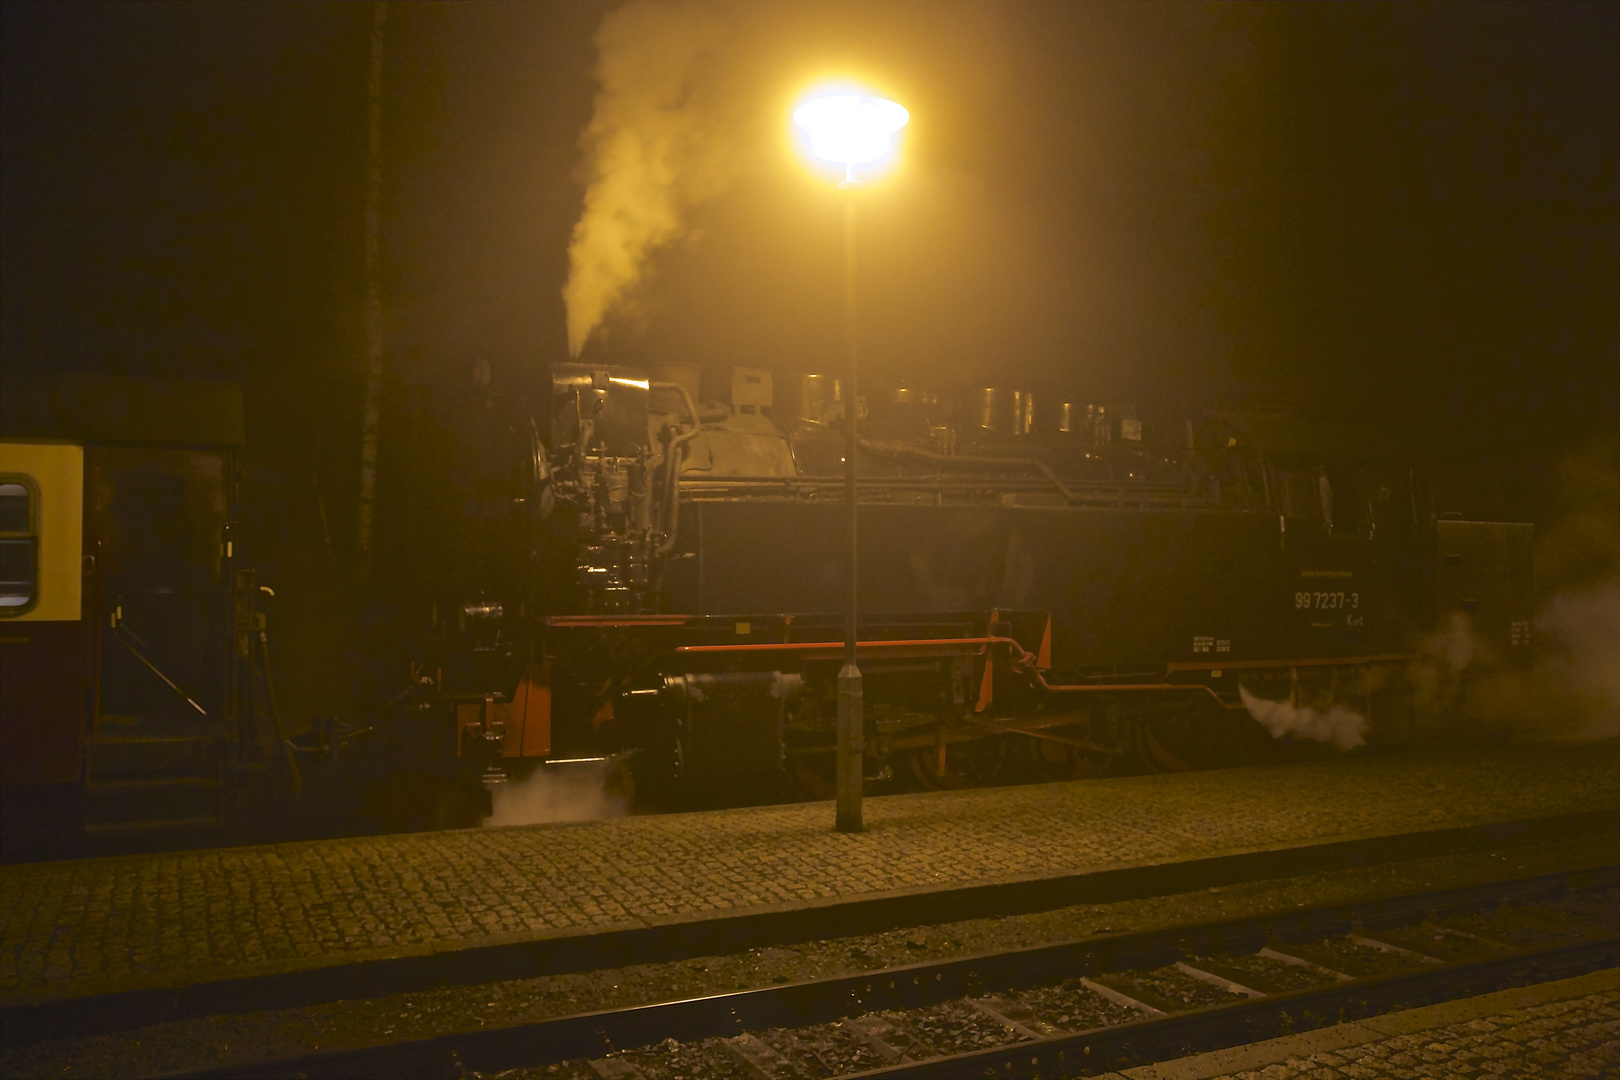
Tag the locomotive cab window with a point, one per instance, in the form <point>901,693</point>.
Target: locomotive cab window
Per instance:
<point>1389,504</point>
<point>1344,498</point>
<point>19,545</point>
<point>1304,495</point>
<point>1330,499</point>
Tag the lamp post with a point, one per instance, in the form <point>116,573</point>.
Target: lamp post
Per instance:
<point>850,130</point>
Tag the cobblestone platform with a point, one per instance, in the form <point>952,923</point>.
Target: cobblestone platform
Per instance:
<point>98,926</point>
<point>1568,1030</point>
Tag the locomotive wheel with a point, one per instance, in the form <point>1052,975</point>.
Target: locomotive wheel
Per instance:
<point>967,764</point>
<point>1180,740</point>
<point>814,773</point>
<point>1252,744</point>
<point>812,757</point>
<point>1074,751</point>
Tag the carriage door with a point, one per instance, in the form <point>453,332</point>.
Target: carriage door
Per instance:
<point>1330,589</point>
<point>158,737</point>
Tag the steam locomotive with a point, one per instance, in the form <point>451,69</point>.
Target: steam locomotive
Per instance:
<point>1043,583</point>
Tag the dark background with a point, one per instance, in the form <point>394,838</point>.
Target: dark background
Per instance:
<point>1399,215</point>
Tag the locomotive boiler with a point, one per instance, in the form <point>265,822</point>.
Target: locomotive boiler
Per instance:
<point>1043,582</point>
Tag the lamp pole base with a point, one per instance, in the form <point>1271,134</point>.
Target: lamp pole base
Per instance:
<point>851,748</point>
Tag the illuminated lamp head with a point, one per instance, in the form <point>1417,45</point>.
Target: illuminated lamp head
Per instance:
<point>850,129</point>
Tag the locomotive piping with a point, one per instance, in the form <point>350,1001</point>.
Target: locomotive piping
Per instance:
<point>672,463</point>
<point>673,458</point>
<point>873,646</point>
<point>1022,660</point>
<point>617,620</point>
<point>686,399</point>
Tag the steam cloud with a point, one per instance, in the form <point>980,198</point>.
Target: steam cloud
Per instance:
<point>1339,725</point>
<point>1578,562</point>
<point>582,793</point>
<point>1585,626</point>
<point>1573,690</point>
<point>655,147</point>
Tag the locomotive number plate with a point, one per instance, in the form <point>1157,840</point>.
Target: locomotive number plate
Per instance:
<point>1326,600</point>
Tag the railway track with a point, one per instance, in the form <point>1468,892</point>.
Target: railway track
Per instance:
<point>1072,1008</point>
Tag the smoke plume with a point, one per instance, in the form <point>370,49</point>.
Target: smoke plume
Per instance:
<point>1339,725</point>
<point>581,792</point>
<point>655,147</point>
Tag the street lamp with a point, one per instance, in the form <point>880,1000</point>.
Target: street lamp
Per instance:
<point>850,130</point>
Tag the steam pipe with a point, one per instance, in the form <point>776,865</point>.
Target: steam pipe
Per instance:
<point>691,408</point>
<point>672,493</point>
<point>672,457</point>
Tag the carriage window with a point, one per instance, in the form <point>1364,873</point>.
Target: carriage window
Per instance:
<point>19,563</point>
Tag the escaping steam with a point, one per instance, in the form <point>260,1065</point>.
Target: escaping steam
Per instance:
<point>580,792</point>
<point>654,148</point>
<point>1572,690</point>
<point>1578,563</point>
<point>1585,627</point>
<point>1339,725</point>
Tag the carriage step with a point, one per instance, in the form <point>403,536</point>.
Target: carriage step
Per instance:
<point>132,740</point>
<point>142,783</point>
<point>160,823</point>
<point>151,799</point>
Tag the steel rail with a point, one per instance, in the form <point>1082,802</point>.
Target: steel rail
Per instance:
<point>1215,1027</point>
<point>595,1034</point>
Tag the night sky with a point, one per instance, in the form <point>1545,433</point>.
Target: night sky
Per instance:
<point>1405,215</point>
